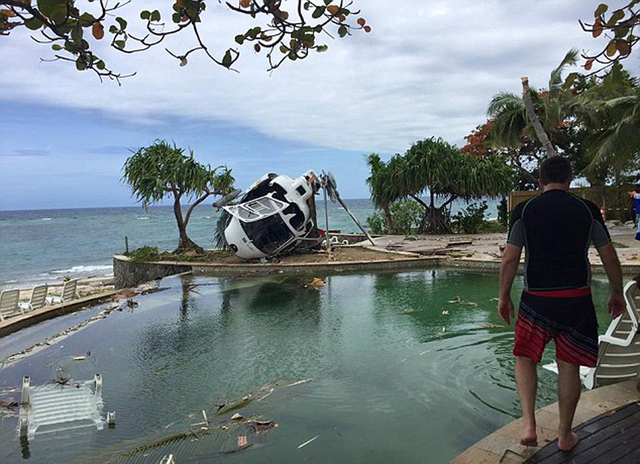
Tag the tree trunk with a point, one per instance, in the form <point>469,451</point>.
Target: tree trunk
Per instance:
<point>433,207</point>
<point>388,218</point>
<point>185,243</point>
<point>533,119</point>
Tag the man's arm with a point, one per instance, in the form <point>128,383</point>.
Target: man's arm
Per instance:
<point>612,267</point>
<point>508,270</point>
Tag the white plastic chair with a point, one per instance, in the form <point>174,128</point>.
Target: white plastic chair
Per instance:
<point>69,292</point>
<point>38,298</point>
<point>618,348</point>
<point>9,304</point>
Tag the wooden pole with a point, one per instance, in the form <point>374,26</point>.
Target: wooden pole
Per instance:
<point>327,237</point>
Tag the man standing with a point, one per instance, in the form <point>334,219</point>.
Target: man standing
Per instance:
<point>556,229</point>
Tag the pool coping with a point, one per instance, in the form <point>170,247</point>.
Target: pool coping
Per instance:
<point>503,446</point>
<point>129,273</point>
<point>14,323</point>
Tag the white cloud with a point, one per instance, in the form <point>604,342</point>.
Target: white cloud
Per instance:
<point>427,69</point>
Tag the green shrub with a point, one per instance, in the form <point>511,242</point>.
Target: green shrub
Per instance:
<point>492,227</point>
<point>405,217</point>
<point>503,213</point>
<point>144,253</point>
<point>471,219</point>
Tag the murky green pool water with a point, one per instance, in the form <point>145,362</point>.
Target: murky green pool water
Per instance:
<point>400,373</point>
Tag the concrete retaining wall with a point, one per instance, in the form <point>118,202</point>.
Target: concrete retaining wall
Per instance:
<point>15,323</point>
<point>129,273</point>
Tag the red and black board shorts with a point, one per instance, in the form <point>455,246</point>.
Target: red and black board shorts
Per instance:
<point>567,316</point>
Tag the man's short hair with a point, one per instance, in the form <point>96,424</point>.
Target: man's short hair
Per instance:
<point>556,170</point>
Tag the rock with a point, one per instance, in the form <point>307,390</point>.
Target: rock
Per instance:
<point>236,416</point>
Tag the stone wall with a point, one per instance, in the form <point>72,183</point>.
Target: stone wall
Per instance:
<point>129,273</point>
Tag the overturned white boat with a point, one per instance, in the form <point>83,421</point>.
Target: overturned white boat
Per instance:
<point>276,215</point>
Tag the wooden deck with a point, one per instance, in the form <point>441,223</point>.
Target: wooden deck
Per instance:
<point>609,438</point>
<point>598,410</point>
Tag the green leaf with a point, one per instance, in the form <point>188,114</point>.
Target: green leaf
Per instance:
<point>86,19</point>
<point>76,34</point>
<point>318,12</point>
<point>602,9</point>
<point>80,65</point>
<point>33,24</point>
<point>56,47</point>
<point>155,16</point>
<point>145,15</point>
<point>48,7</point>
<point>616,73</point>
<point>119,44</point>
<point>240,39</point>
<point>615,17</point>
<point>122,22</point>
<point>570,80</point>
<point>327,2</point>
<point>342,30</point>
<point>100,65</point>
<point>622,31</point>
<point>59,15</point>
<point>322,48</point>
<point>113,29</point>
<point>227,60</point>
<point>284,48</point>
<point>176,17</point>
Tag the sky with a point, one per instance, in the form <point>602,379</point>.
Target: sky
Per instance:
<point>428,68</point>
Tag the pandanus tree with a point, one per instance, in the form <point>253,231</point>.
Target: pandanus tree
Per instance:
<point>439,170</point>
<point>162,170</point>
<point>383,191</point>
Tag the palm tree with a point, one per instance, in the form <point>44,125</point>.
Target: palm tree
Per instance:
<point>612,109</point>
<point>511,128</point>
<point>507,110</point>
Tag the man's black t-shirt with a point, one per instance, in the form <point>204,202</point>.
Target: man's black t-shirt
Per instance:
<point>556,229</point>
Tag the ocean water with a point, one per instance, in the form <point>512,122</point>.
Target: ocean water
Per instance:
<point>38,246</point>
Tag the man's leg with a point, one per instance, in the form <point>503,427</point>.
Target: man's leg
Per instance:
<point>527,382</point>
<point>569,389</point>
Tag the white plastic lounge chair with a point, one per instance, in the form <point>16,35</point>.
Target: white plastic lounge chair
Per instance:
<point>68,293</point>
<point>618,348</point>
<point>38,298</point>
<point>9,304</point>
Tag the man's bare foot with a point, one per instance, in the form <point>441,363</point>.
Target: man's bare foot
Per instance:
<point>529,437</point>
<point>567,444</point>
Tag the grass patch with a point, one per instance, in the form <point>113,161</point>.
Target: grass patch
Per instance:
<point>144,253</point>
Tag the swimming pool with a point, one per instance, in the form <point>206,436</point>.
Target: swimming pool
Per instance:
<point>380,367</point>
